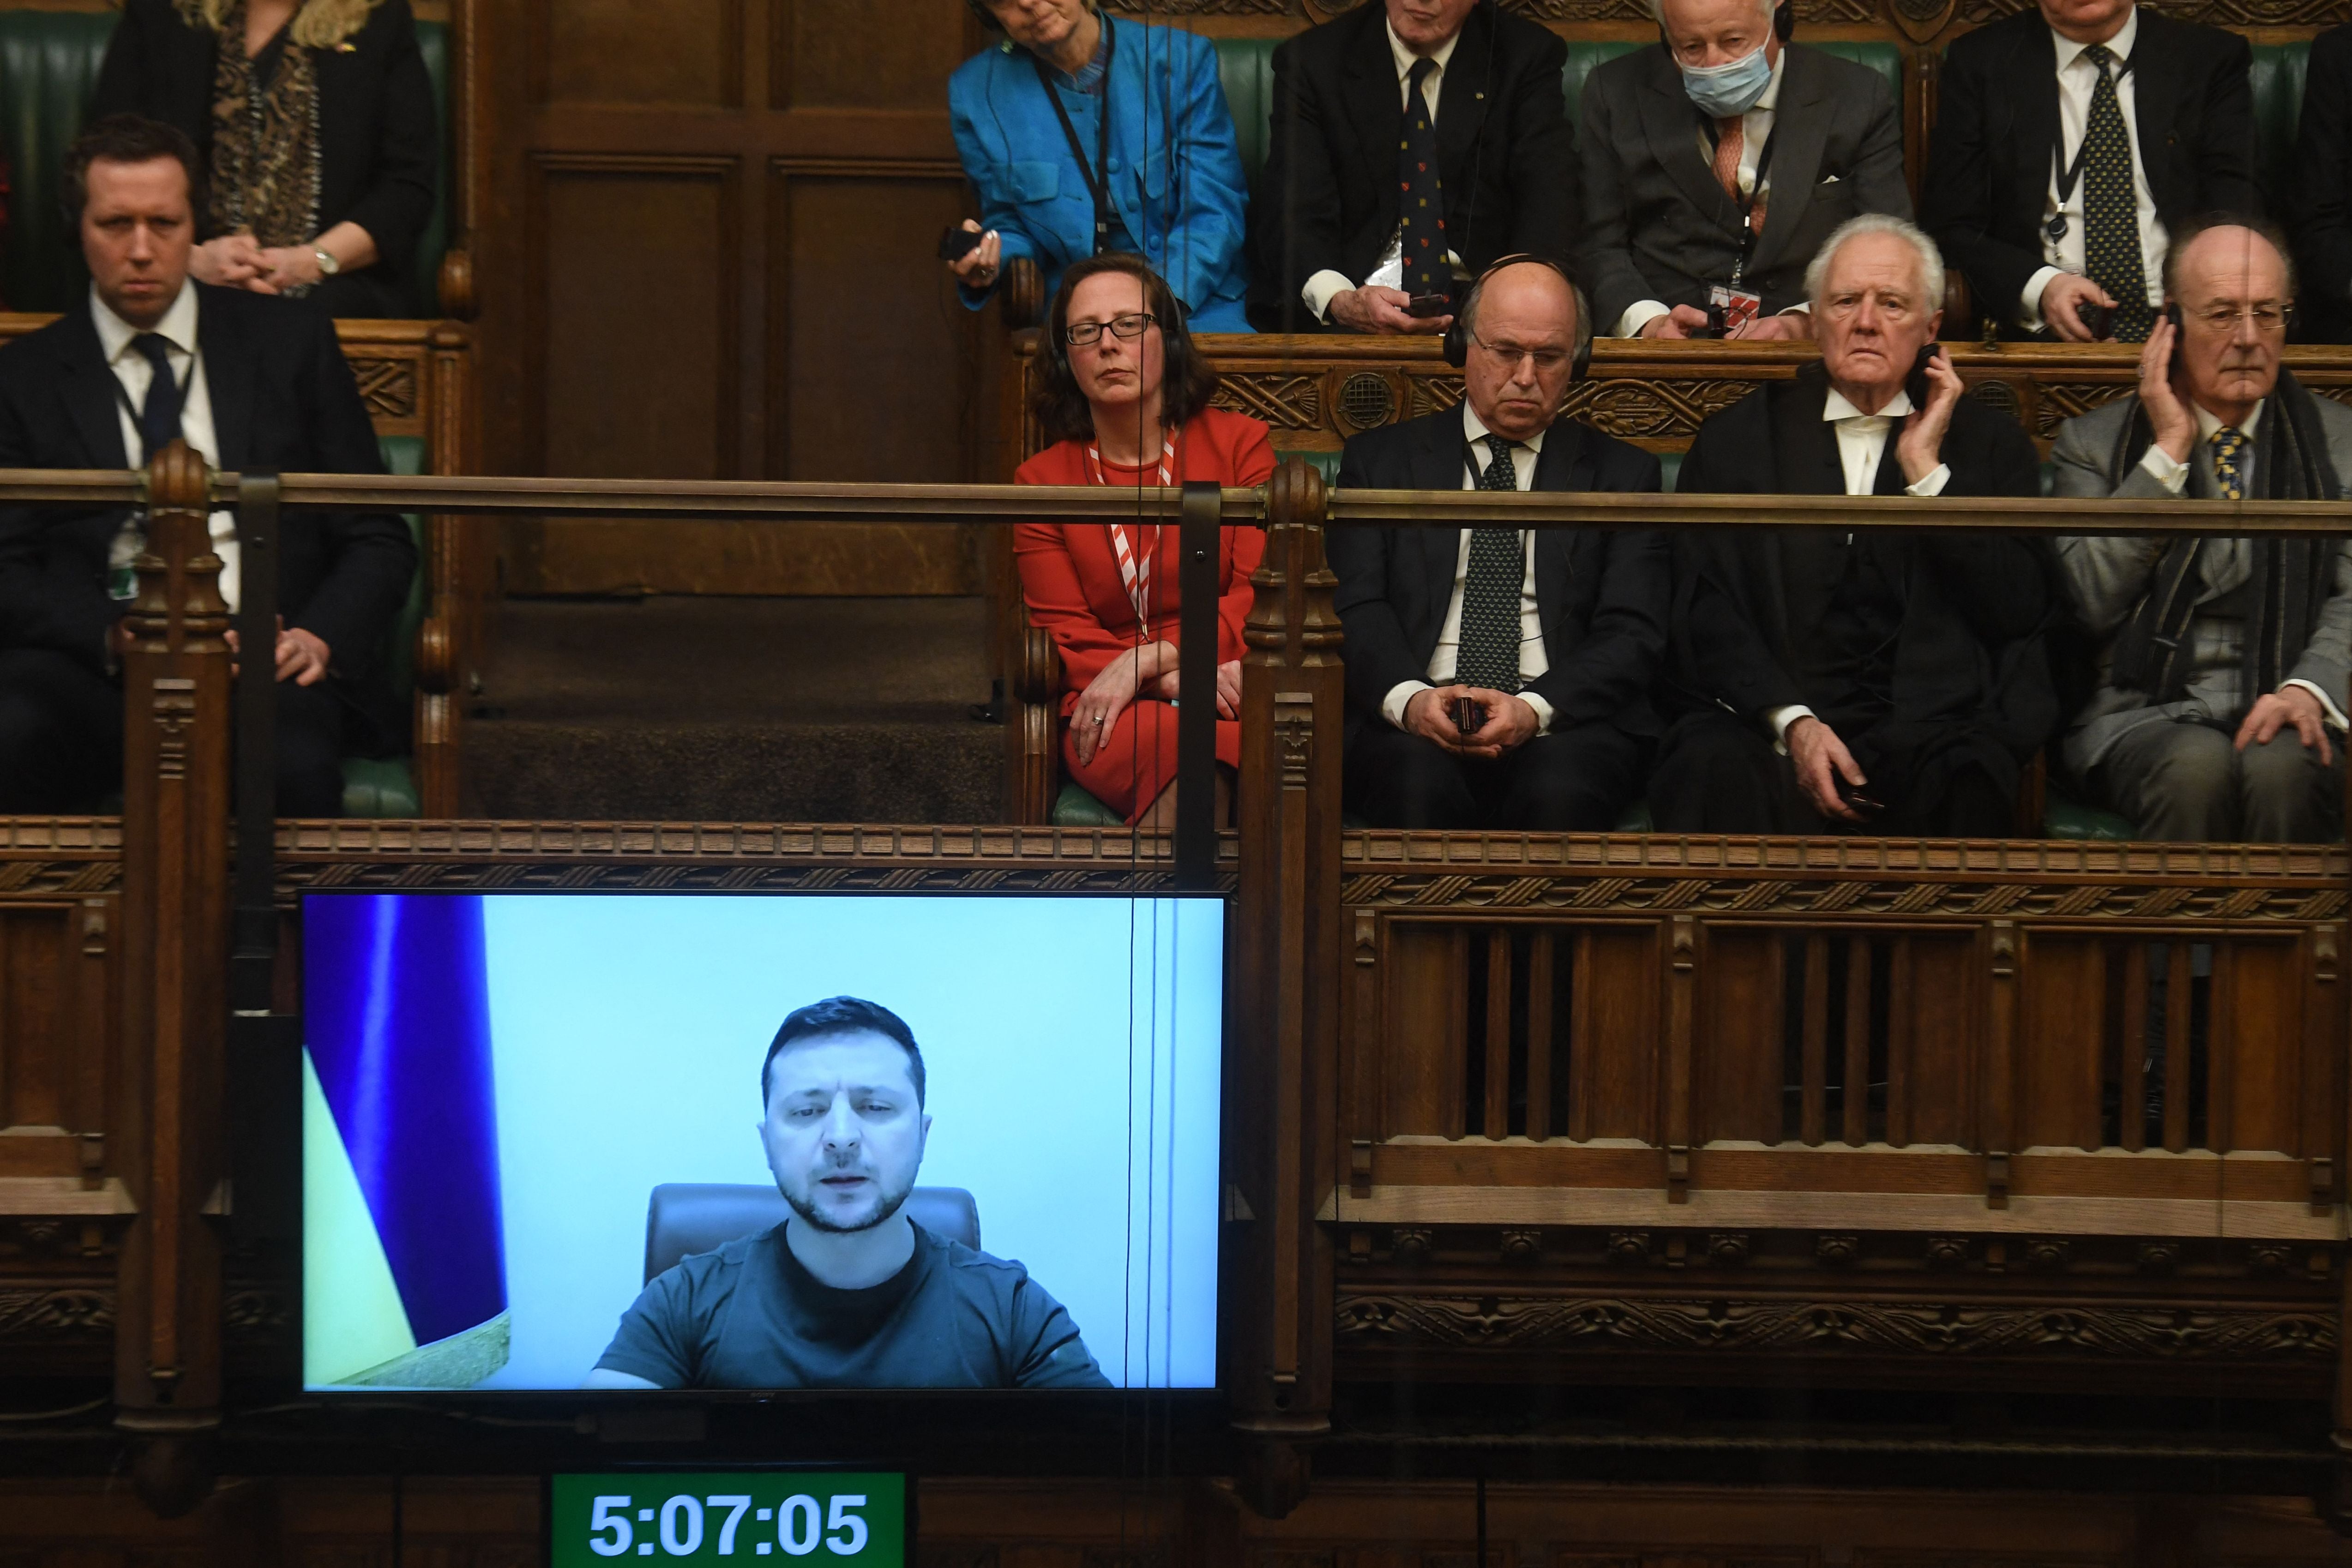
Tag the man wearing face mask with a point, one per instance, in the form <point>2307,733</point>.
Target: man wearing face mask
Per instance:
<point>1716,161</point>
<point>2070,141</point>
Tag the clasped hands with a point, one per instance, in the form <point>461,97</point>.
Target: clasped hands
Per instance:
<point>1682,320</point>
<point>238,261</point>
<point>1511,721</point>
<point>303,656</point>
<point>1123,680</point>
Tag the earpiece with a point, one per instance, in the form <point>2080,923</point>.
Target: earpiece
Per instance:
<point>1784,20</point>
<point>1456,346</point>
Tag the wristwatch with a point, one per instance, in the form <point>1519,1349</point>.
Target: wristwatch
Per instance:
<point>328,264</point>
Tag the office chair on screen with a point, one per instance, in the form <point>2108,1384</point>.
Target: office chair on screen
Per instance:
<point>686,1218</point>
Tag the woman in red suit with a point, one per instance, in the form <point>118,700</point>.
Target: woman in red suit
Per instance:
<point>1125,396</point>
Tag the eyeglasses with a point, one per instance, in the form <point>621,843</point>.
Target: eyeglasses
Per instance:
<point>2268,319</point>
<point>1547,359</point>
<point>1078,334</point>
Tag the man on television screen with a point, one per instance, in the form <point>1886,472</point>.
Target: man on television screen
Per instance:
<point>849,1293</point>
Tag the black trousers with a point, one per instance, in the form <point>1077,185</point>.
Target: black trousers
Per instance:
<point>1577,780</point>
<point>61,739</point>
<point>1718,775</point>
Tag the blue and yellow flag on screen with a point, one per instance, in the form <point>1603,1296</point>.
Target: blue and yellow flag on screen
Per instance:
<point>404,1270</point>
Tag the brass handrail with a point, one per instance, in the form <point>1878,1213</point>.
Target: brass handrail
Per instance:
<point>906,505</point>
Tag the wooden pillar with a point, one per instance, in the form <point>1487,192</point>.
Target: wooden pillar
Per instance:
<point>460,568</point>
<point>176,813</point>
<point>1282,1072</point>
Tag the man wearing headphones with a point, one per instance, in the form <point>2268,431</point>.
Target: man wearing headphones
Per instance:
<point>1498,677</point>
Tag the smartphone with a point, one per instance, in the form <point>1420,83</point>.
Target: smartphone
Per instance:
<point>2098,320</point>
<point>2172,314</point>
<point>1469,716</point>
<point>1855,799</point>
<point>1424,306</point>
<point>956,242</point>
<point>1915,385</point>
<point>1719,324</point>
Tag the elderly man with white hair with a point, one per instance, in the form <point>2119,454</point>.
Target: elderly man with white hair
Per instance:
<point>1865,682</point>
<point>1716,164</point>
<point>2220,705</point>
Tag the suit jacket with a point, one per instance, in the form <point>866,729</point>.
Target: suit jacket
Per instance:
<point>1328,197</point>
<point>1974,604</point>
<point>1176,178</point>
<point>282,397</point>
<point>2107,574</point>
<point>1602,594</point>
<point>2319,192</point>
<point>379,133</point>
<point>1659,227</point>
<point>1997,120</point>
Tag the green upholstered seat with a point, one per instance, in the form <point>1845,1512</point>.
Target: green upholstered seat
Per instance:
<point>48,68</point>
<point>1074,808</point>
<point>1245,67</point>
<point>2276,78</point>
<point>2063,817</point>
<point>386,787</point>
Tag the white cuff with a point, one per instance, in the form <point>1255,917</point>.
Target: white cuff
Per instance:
<point>2326,703</point>
<point>2172,476</point>
<point>1401,696</point>
<point>1638,315</point>
<point>2029,313</point>
<point>1543,711</point>
<point>1780,718</point>
<point>1933,483</point>
<point>1319,290</point>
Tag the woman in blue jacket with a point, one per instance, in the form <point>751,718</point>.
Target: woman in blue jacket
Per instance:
<point>1086,134</point>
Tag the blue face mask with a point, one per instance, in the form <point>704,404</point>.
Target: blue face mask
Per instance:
<point>1722,91</point>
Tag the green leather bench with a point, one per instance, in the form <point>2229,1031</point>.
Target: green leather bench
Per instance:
<point>48,68</point>
<point>2277,78</point>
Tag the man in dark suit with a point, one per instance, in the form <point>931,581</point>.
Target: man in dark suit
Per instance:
<point>1865,682</point>
<point>1719,161</point>
<point>1498,677</point>
<point>248,381</point>
<point>2319,192</point>
<point>2070,141</point>
<point>1364,206</point>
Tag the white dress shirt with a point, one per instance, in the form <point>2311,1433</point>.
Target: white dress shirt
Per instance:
<point>178,330</point>
<point>1389,271</point>
<point>2174,477</point>
<point>2077,78</point>
<point>1532,660</point>
<point>1861,442</point>
<point>1755,134</point>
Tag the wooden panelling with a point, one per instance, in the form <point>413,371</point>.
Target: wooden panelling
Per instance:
<point>1737,1071</point>
<point>1613,1035</point>
<point>843,54</point>
<point>1928,1091</point>
<point>2058,1051</point>
<point>1422,1083</point>
<point>2261,1087</point>
<point>668,52</point>
<point>638,257</point>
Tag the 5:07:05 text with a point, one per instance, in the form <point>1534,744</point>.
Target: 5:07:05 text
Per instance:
<point>801,1525</point>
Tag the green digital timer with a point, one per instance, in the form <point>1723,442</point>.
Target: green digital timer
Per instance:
<point>821,1517</point>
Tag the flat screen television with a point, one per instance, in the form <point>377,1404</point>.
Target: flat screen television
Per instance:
<point>759,1142</point>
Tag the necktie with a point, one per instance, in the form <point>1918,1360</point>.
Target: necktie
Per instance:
<point>2228,478</point>
<point>2111,251</point>
<point>1421,231</point>
<point>1488,652</point>
<point>158,420</point>
<point>1730,139</point>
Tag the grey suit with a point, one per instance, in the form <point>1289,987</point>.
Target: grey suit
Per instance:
<point>1657,225</point>
<point>2171,766</point>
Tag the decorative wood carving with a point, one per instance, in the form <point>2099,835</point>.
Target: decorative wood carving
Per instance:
<point>40,1312</point>
<point>1284,402</point>
<point>388,387</point>
<point>1613,1325</point>
<point>1638,411</point>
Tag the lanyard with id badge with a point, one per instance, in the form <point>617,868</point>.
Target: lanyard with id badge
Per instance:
<point>1731,306</point>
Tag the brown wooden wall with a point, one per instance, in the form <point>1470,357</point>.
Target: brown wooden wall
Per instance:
<point>707,253</point>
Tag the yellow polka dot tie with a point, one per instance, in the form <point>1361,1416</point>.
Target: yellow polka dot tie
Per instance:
<point>2111,251</point>
<point>2228,478</point>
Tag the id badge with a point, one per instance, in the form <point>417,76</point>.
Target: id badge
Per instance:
<point>1739,306</point>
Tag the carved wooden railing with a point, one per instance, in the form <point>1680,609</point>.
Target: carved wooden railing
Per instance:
<point>1999,1114</point>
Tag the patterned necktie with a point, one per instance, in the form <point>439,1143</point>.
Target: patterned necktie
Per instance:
<point>1730,139</point>
<point>159,418</point>
<point>2228,478</point>
<point>1421,232</point>
<point>1488,652</point>
<point>2111,250</point>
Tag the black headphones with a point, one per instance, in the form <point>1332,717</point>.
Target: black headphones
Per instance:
<point>1457,336</point>
<point>1784,24</point>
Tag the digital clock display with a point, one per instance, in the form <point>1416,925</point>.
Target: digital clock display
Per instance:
<point>818,1518</point>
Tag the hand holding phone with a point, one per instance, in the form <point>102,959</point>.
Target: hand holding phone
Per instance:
<point>1469,716</point>
<point>2098,319</point>
<point>1421,306</point>
<point>1915,386</point>
<point>956,242</point>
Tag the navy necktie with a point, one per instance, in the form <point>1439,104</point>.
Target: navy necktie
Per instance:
<point>1488,652</point>
<point>2111,248</point>
<point>1420,230</point>
<point>158,420</point>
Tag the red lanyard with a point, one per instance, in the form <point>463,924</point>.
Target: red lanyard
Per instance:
<point>1135,560</point>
